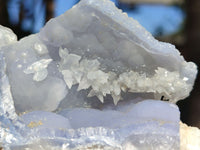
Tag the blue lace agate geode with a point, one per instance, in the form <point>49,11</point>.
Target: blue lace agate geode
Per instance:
<point>92,78</point>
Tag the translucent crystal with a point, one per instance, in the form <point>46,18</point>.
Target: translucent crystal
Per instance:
<point>91,78</point>
<point>100,50</point>
<point>39,69</point>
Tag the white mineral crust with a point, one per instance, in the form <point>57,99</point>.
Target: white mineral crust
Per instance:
<point>92,78</point>
<point>6,36</point>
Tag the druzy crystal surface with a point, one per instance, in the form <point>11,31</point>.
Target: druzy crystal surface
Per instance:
<point>92,78</point>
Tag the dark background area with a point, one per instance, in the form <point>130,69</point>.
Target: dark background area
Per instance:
<point>22,15</point>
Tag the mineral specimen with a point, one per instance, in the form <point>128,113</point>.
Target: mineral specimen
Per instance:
<point>190,137</point>
<point>92,78</point>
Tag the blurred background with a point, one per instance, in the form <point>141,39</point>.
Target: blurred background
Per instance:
<point>173,21</point>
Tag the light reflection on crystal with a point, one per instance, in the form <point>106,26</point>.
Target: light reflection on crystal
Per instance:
<point>87,80</point>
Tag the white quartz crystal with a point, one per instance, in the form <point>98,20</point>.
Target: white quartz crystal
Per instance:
<point>39,69</point>
<point>92,78</point>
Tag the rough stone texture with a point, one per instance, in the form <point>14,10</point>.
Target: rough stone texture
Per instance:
<point>106,129</point>
<point>189,137</point>
<point>91,78</point>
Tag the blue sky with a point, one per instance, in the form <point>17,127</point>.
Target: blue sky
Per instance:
<point>169,18</point>
<point>152,17</point>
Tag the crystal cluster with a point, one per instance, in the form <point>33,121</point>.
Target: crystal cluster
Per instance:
<point>92,78</point>
<point>87,73</point>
